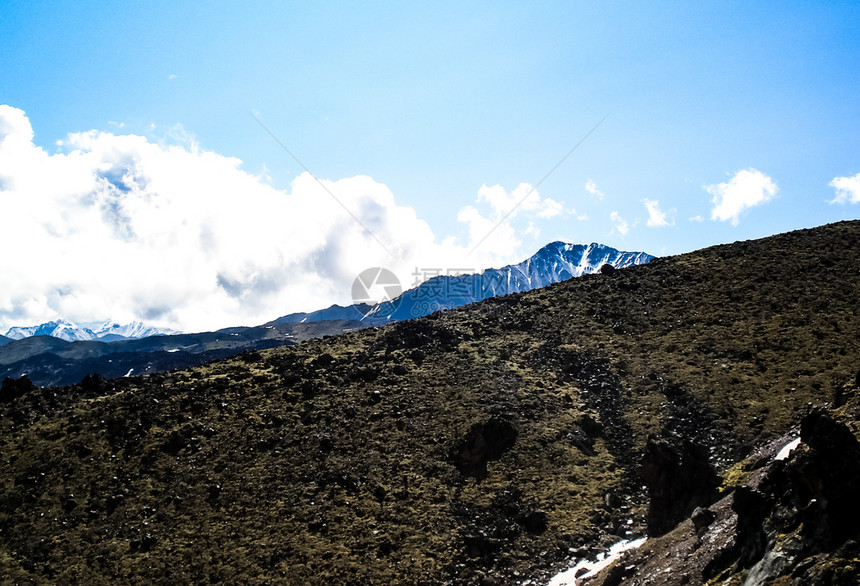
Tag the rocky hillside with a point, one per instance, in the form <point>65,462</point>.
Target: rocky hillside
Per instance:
<point>490,444</point>
<point>48,360</point>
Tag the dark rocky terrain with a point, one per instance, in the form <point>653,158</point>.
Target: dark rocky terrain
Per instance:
<point>489,444</point>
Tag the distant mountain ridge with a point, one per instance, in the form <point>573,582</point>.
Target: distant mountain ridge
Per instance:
<point>106,331</point>
<point>555,262</point>
<point>356,311</point>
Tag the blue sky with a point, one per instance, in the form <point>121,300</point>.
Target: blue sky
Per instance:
<point>737,115</point>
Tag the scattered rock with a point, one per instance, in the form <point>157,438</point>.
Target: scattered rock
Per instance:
<point>323,360</point>
<point>579,438</point>
<point>702,518</point>
<point>590,425</point>
<point>485,441</point>
<point>611,500</point>
<point>250,356</point>
<point>379,492</point>
<point>326,444</point>
<point>174,443</point>
<point>93,383</point>
<point>534,522</point>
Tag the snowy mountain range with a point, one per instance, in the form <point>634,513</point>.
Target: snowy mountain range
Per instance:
<point>106,331</point>
<point>555,262</point>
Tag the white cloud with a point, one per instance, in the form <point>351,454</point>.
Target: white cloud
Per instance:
<point>550,209</point>
<point>656,217</point>
<point>492,234</point>
<point>847,189</point>
<point>524,198</point>
<point>591,188</point>
<point>493,229</point>
<point>621,225</point>
<point>748,188</point>
<point>697,218</point>
<point>119,227</point>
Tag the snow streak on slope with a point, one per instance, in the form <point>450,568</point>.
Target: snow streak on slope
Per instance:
<point>587,568</point>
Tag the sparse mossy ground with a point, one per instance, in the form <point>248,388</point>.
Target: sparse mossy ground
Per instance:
<point>356,458</point>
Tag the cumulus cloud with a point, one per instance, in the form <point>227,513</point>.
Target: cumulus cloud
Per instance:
<point>656,217</point>
<point>116,226</point>
<point>621,225</point>
<point>591,188</point>
<point>524,200</point>
<point>847,189</point>
<point>748,188</point>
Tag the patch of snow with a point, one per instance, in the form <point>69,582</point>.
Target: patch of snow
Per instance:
<point>787,449</point>
<point>130,370</point>
<point>569,577</point>
<point>174,350</point>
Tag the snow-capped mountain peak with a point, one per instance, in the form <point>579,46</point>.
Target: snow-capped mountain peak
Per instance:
<point>133,330</point>
<point>73,332</point>
<point>58,329</point>
<point>555,262</point>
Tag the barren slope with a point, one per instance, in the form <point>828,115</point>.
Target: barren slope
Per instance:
<point>480,445</point>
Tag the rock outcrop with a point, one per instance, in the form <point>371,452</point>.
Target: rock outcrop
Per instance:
<point>793,521</point>
<point>679,479</point>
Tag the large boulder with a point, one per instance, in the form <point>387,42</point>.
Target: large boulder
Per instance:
<point>679,479</point>
<point>484,442</point>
